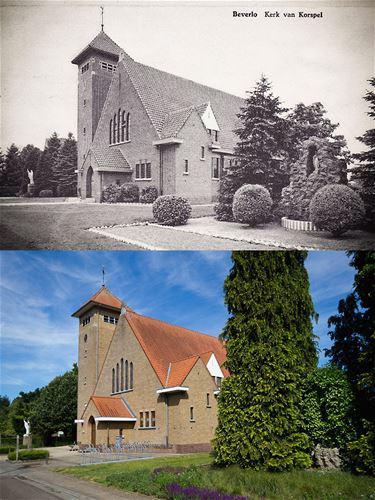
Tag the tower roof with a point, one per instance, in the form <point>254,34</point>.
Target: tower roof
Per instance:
<point>103,297</point>
<point>101,43</point>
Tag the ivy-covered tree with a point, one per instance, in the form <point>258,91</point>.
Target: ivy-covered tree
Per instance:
<point>364,174</point>
<point>260,148</point>
<point>328,407</point>
<point>29,160</point>
<point>353,350</point>
<point>65,167</point>
<point>44,174</point>
<point>12,177</point>
<point>270,350</point>
<point>56,408</point>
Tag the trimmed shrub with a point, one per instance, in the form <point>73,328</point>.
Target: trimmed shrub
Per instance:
<point>171,210</point>
<point>4,450</point>
<point>129,192</point>
<point>336,208</point>
<point>252,204</point>
<point>149,194</point>
<point>46,193</point>
<point>111,194</point>
<point>29,455</point>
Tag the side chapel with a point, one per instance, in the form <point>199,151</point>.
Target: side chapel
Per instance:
<point>144,379</point>
<point>143,125</point>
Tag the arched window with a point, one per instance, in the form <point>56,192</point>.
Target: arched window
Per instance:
<point>128,127</point>
<point>122,373</point>
<point>110,132</point>
<point>131,376</point>
<point>114,128</point>
<point>113,380</point>
<point>126,375</point>
<point>123,126</point>
<point>118,124</point>
<point>117,378</point>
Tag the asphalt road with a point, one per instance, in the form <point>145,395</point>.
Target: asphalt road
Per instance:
<point>29,482</point>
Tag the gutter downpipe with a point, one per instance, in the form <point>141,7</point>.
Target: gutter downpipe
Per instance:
<point>166,421</point>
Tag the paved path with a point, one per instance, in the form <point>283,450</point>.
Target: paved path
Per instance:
<point>20,481</point>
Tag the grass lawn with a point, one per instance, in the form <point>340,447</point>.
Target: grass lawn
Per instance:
<point>138,476</point>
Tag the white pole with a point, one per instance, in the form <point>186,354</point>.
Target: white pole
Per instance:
<point>17,446</point>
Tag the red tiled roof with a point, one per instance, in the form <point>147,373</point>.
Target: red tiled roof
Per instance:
<point>101,42</point>
<point>111,407</point>
<point>164,343</point>
<point>179,370</point>
<point>111,159</point>
<point>102,297</point>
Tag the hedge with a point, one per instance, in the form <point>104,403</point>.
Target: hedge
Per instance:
<point>4,450</point>
<point>29,455</point>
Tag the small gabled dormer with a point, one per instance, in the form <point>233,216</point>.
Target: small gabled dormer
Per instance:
<point>209,120</point>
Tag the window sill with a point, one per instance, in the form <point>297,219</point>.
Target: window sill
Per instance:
<point>185,173</point>
<point>208,406</point>
<point>121,392</point>
<point>146,428</point>
<point>119,143</point>
<point>215,179</point>
<point>145,179</point>
<point>202,159</point>
<point>192,421</point>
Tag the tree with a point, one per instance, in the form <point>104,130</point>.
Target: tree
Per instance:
<point>4,409</point>
<point>13,174</point>
<point>364,174</point>
<point>260,147</point>
<point>270,350</point>
<point>20,409</point>
<point>64,170</point>
<point>56,408</point>
<point>29,160</point>
<point>2,167</point>
<point>44,173</point>
<point>328,407</point>
<point>353,350</point>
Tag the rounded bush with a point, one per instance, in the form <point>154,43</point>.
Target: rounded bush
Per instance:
<point>148,194</point>
<point>129,192</point>
<point>111,194</point>
<point>336,208</point>
<point>252,204</point>
<point>171,210</point>
<point>46,193</point>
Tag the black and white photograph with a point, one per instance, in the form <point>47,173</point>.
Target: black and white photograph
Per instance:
<point>187,125</point>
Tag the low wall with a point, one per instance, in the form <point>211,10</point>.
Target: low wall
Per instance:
<point>298,225</point>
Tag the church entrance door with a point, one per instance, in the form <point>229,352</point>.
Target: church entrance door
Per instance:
<point>89,183</point>
<point>93,430</point>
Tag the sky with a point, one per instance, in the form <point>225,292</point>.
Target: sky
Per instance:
<point>326,59</point>
<point>40,290</point>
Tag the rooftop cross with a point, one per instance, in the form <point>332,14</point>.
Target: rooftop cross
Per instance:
<point>103,273</point>
<point>102,9</point>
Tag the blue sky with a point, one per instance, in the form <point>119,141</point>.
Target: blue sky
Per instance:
<point>40,290</point>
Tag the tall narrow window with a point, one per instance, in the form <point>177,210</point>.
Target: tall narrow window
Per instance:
<point>186,166</point>
<point>153,418</point>
<point>114,128</point>
<point>126,375</point>
<point>141,421</point>
<point>118,125</point>
<point>127,137</point>
<point>215,168</point>
<point>110,131</point>
<point>113,380</point>
<point>147,419</point>
<point>208,400</point>
<point>123,126</point>
<point>131,376</point>
<point>117,378</point>
<point>202,152</point>
<point>191,413</point>
<point>122,373</point>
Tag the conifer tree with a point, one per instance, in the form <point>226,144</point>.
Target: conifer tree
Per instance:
<point>44,174</point>
<point>364,173</point>
<point>13,173</point>
<point>260,147</point>
<point>270,350</point>
<point>65,167</point>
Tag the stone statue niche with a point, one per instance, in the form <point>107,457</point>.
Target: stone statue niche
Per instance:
<point>318,165</point>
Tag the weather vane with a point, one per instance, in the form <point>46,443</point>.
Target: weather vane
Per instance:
<point>102,8</point>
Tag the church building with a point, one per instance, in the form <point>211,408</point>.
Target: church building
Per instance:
<point>141,125</point>
<point>144,379</point>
